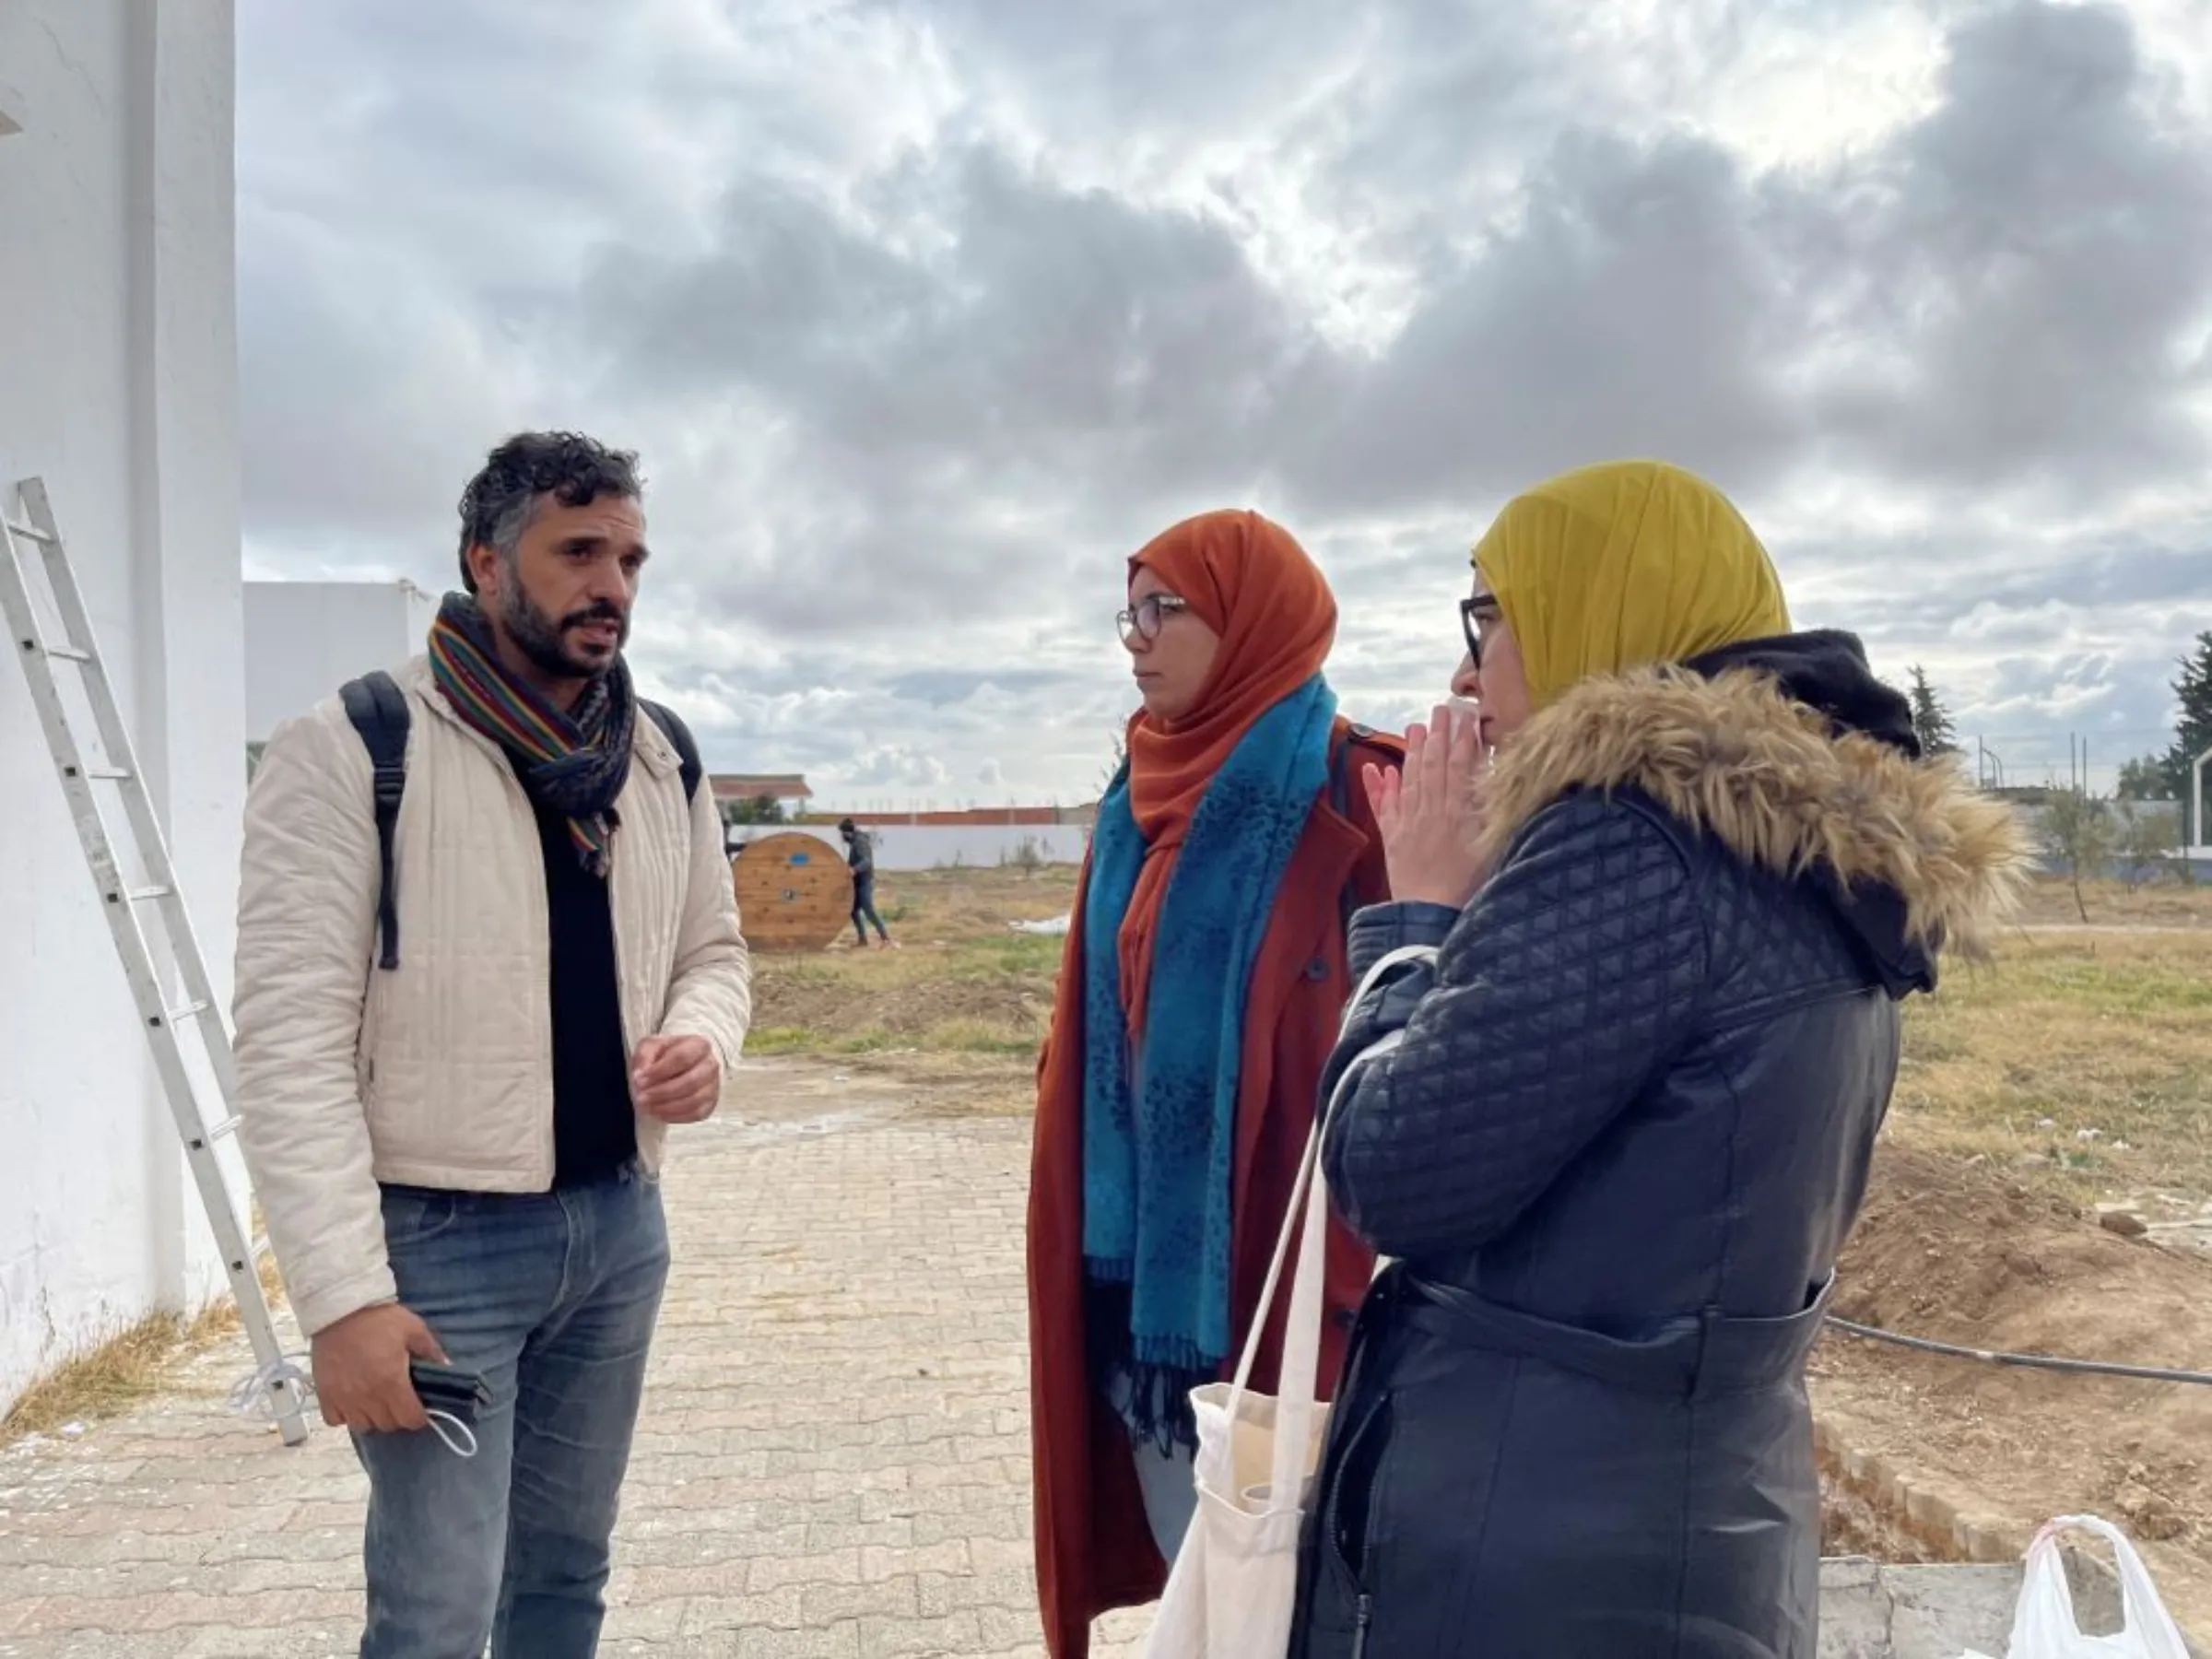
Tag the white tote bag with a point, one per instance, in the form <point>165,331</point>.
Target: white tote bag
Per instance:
<point>1234,1585</point>
<point>2043,1626</point>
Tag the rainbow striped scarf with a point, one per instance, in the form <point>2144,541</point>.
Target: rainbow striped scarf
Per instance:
<point>573,764</point>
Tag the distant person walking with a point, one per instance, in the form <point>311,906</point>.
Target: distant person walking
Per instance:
<point>860,852</point>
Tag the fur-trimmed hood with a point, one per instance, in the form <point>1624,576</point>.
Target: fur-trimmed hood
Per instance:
<point>1907,846</point>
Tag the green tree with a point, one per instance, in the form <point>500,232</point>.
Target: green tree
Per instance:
<point>2192,734</point>
<point>1025,855</point>
<point>1931,721</point>
<point>2079,836</point>
<point>2143,780</point>
<point>2142,841</point>
<point>760,809</point>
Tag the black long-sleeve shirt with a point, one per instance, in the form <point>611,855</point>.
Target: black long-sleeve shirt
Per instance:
<point>595,1124</point>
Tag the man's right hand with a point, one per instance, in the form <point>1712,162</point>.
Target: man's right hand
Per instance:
<point>361,1365</point>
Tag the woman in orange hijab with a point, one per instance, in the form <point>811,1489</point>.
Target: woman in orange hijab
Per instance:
<point>1198,999</point>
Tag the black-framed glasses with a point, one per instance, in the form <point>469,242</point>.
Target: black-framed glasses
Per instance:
<point>1473,614</point>
<point>1143,620</point>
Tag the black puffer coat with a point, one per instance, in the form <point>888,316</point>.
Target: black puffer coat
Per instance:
<point>1620,1141</point>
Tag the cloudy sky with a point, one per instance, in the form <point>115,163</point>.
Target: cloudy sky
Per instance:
<point>925,314</point>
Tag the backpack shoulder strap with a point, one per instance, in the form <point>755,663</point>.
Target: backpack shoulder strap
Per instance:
<point>378,709</point>
<point>1361,745</point>
<point>687,751</point>
<point>1358,746</point>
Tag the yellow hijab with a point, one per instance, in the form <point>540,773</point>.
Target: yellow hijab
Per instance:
<point>1622,565</point>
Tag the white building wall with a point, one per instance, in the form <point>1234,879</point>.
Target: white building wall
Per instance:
<point>945,846</point>
<point>306,638</point>
<point>118,354</point>
<point>938,846</point>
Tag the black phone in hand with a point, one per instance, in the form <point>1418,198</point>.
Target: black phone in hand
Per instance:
<point>448,1388</point>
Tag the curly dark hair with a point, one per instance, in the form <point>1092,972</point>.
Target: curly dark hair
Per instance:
<point>500,501</point>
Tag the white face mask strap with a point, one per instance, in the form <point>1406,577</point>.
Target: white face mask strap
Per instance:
<point>459,1438</point>
<point>252,1396</point>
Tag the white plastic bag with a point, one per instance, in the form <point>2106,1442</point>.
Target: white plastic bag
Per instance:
<point>2043,1622</point>
<point>1234,1585</point>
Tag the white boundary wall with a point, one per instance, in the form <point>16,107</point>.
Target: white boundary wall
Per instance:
<point>306,638</point>
<point>935,846</point>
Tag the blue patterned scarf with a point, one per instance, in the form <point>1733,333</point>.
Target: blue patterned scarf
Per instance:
<point>1159,1149</point>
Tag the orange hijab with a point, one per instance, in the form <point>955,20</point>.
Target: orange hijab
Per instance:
<point>1246,578</point>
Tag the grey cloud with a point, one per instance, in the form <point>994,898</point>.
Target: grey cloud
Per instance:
<point>1069,337</point>
<point>1921,585</point>
<point>345,439</point>
<point>485,137</point>
<point>937,687</point>
<point>2030,712</point>
<point>2000,296</point>
<point>2036,268</point>
<point>1068,350</point>
<point>1953,307</point>
<point>836,713</point>
<point>1119,69</point>
<point>917,348</point>
<point>1634,312</point>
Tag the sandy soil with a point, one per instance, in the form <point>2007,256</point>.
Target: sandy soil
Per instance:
<point>1962,1256</point>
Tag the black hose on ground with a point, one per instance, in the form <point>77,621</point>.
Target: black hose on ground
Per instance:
<point>2098,1368</point>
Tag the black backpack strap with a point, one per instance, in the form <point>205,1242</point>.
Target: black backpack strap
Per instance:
<point>673,728</point>
<point>1361,745</point>
<point>378,709</point>
<point>1340,771</point>
<point>1345,763</point>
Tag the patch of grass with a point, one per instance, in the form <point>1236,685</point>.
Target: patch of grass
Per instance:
<point>781,1039</point>
<point>132,1366</point>
<point>981,1037</point>
<point>2163,903</point>
<point>2068,1033</point>
<point>961,983</point>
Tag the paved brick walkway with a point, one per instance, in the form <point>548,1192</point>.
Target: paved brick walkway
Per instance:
<point>832,1461</point>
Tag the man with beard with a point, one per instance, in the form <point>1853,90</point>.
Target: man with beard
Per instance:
<point>488,952</point>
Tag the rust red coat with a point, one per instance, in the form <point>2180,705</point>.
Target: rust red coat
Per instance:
<point>1094,1547</point>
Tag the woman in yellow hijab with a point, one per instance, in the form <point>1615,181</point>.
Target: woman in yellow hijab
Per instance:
<point>1610,1108</point>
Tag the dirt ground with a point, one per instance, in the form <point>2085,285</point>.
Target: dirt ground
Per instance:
<point>914,1008</point>
<point>1964,1255</point>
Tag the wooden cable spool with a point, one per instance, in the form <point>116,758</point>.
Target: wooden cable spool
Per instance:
<point>794,891</point>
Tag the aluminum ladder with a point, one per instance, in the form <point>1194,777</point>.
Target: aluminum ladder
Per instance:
<point>27,519</point>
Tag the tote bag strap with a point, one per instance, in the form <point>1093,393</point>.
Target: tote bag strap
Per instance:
<point>1307,1215</point>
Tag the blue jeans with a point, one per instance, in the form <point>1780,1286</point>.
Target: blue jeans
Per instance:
<point>1170,1483</point>
<point>1169,1479</point>
<point>864,908</point>
<point>552,1298</point>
